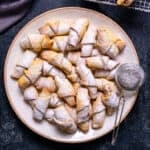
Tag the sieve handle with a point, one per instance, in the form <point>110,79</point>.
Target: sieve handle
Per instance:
<point>116,129</point>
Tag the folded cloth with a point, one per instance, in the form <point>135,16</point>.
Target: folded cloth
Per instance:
<point>11,11</point>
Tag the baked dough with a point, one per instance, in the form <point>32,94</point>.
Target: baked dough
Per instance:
<point>83,110</point>
<point>87,79</point>
<point>98,112</point>
<point>36,42</point>
<point>88,41</point>
<point>124,2</point>
<point>65,90</point>
<point>77,31</point>
<point>101,62</point>
<point>58,60</point>
<point>109,43</point>
<point>56,27</point>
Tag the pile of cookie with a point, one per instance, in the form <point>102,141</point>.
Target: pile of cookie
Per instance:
<point>66,73</point>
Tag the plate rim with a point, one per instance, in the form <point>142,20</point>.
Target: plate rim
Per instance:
<point>10,49</point>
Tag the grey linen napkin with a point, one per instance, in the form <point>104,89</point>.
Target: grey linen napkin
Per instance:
<point>11,11</point>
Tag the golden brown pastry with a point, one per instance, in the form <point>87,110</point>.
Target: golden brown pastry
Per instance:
<point>95,52</point>
<point>89,41</point>
<point>65,90</point>
<point>26,59</point>
<point>109,75</point>
<point>34,71</point>
<point>56,72</point>
<point>40,105</point>
<point>83,109</point>
<point>105,85</point>
<point>23,63</point>
<point>87,79</point>
<point>49,115</point>
<point>98,112</point>
<point>61,118</point>
<point>46,82</point>
<point>64,121</point>
<point>77,30</point>
<point>108,43</point>
<point>56,27</point>
<point>54,101</point>
<point>58,60</point>
<point>36,42</point>
<point>76,86</point>
<point>30,94</point>
<point>60,44</point>
<point>73,57</point>
<point>73,77</point>
<point>72,112</point>
<point>125,2</point>
<point>17,72</point>
<point>23,82</point>
<point>101,62</point>
<point>110,97</point>
<point>50,70</point>
<point>111,101</point>
<point>46,68</point>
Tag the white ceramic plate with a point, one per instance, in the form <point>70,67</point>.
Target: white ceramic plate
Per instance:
<point>24,112</point>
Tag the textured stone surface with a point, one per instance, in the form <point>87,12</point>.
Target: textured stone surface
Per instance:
<point>134,131</point>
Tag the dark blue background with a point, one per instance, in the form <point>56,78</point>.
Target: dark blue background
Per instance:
<point>134,131</point>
